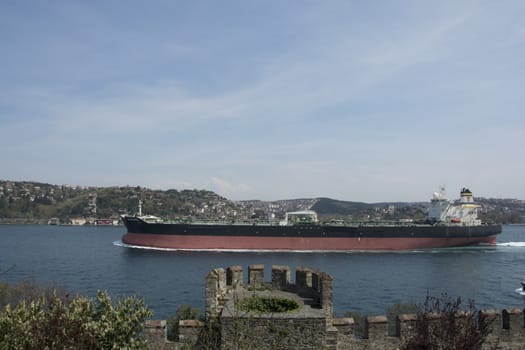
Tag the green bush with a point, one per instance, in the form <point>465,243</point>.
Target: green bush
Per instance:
<point>267,304</point>
<point>80,323</point>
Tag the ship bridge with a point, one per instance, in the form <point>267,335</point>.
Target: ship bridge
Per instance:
<point>462,212</point>
<point>298,217</point>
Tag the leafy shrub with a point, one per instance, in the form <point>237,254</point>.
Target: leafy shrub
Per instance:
<point>267,304</point>
<point>79,323</point>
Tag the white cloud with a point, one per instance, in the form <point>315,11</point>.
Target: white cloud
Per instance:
<point>351,96</point>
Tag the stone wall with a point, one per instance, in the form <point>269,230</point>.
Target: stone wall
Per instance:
<point>303,329</point>
<point>272,333</point>
<point>312,326</point>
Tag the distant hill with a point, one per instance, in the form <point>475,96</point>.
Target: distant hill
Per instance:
<point>331,208</point>
<point>34,202</point>
<point>336,207</point>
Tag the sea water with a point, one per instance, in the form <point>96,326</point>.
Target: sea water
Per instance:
<point>87,259</point>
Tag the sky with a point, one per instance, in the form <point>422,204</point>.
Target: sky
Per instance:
<point>353,100</point>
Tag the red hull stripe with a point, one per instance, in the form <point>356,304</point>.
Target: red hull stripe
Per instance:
<point>296,243</point>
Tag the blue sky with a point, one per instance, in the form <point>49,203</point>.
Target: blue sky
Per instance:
<point>354,100</point>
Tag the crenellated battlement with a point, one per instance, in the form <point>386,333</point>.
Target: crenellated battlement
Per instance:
<point>313,325</point>
<point>311,284</point>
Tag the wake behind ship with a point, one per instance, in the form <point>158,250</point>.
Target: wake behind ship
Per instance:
<point>449,224</point>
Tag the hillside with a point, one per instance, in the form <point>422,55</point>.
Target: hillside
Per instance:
<point>38,202</point>
<point>33,202</point>
<point>327,206</point>
<point>331,208</point>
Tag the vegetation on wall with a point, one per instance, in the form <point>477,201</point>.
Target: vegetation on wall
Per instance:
<point>261,304</point>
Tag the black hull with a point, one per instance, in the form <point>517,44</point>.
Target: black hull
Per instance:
<point>135,225</point>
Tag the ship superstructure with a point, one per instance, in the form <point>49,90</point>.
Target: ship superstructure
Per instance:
<point>463,212</point>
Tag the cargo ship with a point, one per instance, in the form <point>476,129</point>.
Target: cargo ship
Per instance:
<point>449,224</point>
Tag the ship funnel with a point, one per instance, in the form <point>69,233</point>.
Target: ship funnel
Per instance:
<point>466,196</point>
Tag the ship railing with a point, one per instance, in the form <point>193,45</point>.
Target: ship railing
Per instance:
<point>225,222</point>
<point>373,223</point>
<point>335,223</point>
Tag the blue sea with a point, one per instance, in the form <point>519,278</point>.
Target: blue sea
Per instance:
<point>88,259</point>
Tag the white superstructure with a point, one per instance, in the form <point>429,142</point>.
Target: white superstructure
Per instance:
<point>463,212</point>
<point>303,216</point>
<point>438,205</point>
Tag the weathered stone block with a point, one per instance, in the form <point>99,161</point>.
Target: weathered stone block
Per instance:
<point>215,289</point>
<point>234,276</point>
<point>326,290</point>
<point>406,325</point>
<point>303,277</point>
<point>189,331</point>
<point>376,327</point>
<point>256,275</point>
<point>281,277</point>
<point>155,331</point>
